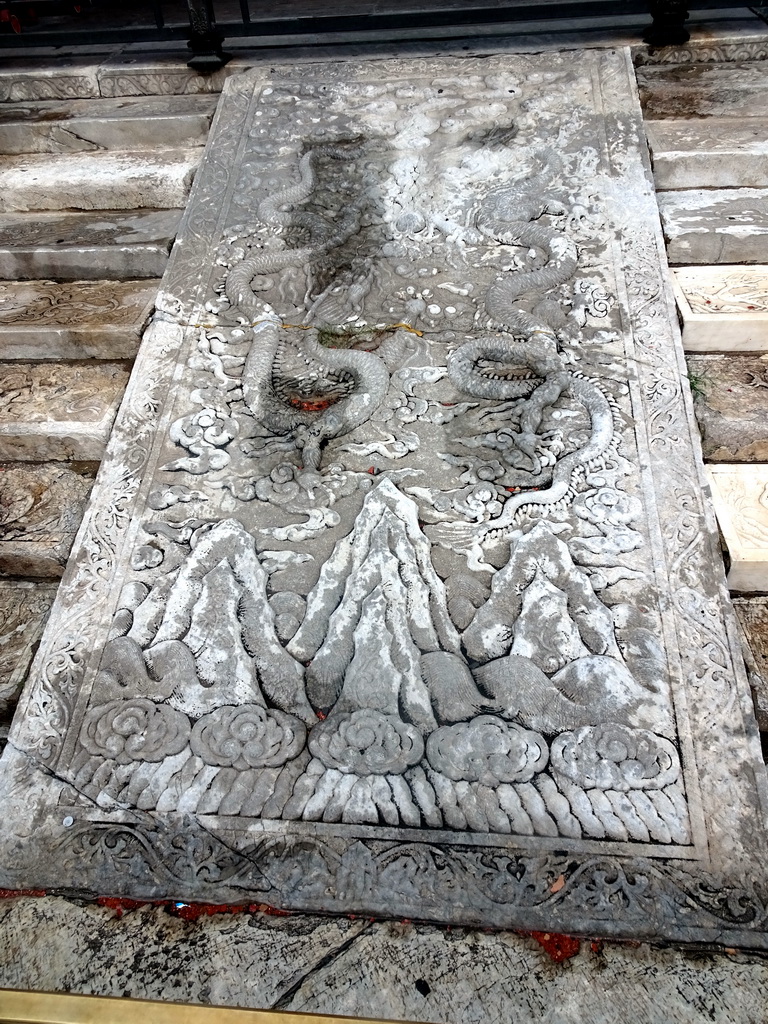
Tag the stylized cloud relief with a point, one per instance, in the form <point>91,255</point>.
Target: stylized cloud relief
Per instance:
<point>134,730</point>
<point>487,750</point>
<point>366,743</point>
<point>615,757</point>
<point>248,736</point>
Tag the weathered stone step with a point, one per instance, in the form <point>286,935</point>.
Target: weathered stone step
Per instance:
<point>724,309</point>
<point>730,397</point>
<point>74,320</point>
<point>87,246</point>
<point>715,225</point>
<point>97,181</point>
<point>41,507</point>
<point>738,493</point>
<point>704,90</point>
<point>158,123</point>
<point>753,616</point>
<point>58,410</point>
<point>709,153</point>
<point>24,608</point>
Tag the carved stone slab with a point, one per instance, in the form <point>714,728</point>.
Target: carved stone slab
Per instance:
<point>398,594</point>
<point>158,122</point>
<point>740,495</point>
<point>730,399</point>
<point>738,89</point>
<point>24,607</point>
<point>58,410</point>
<point>73,246</point>
<point>726,152</point>
<point>724,308</point>
<point>40,512</point>
<point>74,320</point>
<point>717,225</point>
<point>97,181</point>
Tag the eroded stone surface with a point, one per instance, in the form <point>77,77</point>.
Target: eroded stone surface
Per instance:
<point>731,403</point>
<point>709,153</point>
<point>753,616</point>
<point>715,225</point>
<point>387,632</point>
<point>58,410</point>
<point>41,507</point>
<point>724,308</point>
<point>73,320</point>
<point>735,89</point>
<point>71,246</point>
<point>28,79</point>
<point>24,609</point>
<point>394,970</point>
<point>157,74</point>
<point>157,123</point>
<point>97,181</point>
<point>740,496</point>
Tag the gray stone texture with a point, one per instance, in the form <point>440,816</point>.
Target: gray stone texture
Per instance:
<point>458,766</point>
<point>730,396</point>
<point>41,507</point>
<point>74,320</point>
<point>58,410</point>
<point>24,608</point>
<point>726,153</point>
<point>397,971</point>
<point>87,246</point>
<point>97,181</point>
<point>153,123</point>
<point>715,225</point>
<point>753,616</point>
<point>695,90</point>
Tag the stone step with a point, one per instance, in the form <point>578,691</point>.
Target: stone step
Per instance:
<point>730,399</point>
<point>41,507</point>
<point>58,410</point>
<point>87,246</point>
<point>724,309</point>
<point>723,152</point>
<point>74,320</point>
<point>739,498</point>
<point>715,225</point>
<point>737,89</point>
<point>97,181</point>
<point>752,613</point>
<point>157,123</point>
<point>24,608</point>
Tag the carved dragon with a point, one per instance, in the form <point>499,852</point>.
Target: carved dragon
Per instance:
<point>333,390</point>
<point>509,215</point>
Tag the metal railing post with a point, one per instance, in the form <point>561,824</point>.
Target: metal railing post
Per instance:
<point>205,38</point>
<point>668,28</point>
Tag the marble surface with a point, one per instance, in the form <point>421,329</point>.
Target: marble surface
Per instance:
<point>40,512</point>
<point>740,497</point>
<point>395,970</point>
<point>156,123</point>
<point>723,308</point>
<point>58,410</point>
<point>366,615</point>
<point>730,399</point>
<point>97,181</point>
<point>734,89</point>
<point>724,152</point>
<point>718,225</point>
<point>24,608</point>
<point>48,320</point>
<point>73,246</point>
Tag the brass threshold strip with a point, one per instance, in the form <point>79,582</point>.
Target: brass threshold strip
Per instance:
<point>18,1007</point>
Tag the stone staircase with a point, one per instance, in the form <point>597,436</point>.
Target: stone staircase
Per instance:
<point>91,193</point>
<point>708,136</point>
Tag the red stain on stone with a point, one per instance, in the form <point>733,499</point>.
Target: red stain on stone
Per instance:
<point>12,894</point>
<point>120,904</point>
<point>557,947</point>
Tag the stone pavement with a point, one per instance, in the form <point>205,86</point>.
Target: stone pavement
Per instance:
<point>395,1000</point>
